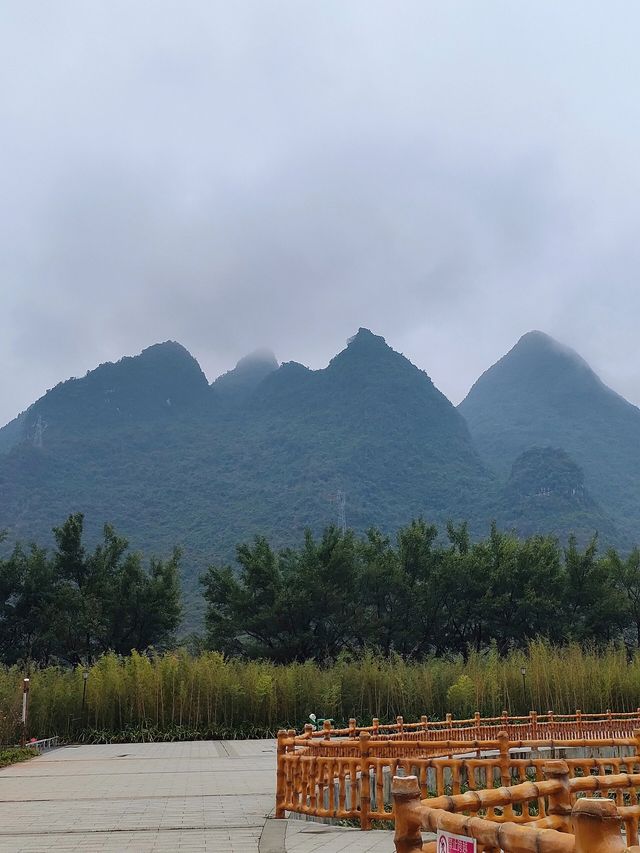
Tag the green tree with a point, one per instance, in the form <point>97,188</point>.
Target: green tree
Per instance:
<point>626,579</point>
<point>74,605</point>
<point>593,606</point>
<point>294,605</point>
<point>29,609</point>
<point>524,596</point>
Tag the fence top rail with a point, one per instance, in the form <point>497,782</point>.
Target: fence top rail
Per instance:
<point>505,836</point>
<point>443,813</point>
<point>534,718</point>
<point>473,801</point>
<point>495,744</point>
<point>431,746</point>
<point>604,783</point>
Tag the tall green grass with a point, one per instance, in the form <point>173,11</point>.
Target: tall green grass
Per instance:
<point>177,696</point>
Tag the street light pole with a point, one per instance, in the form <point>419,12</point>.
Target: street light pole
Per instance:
<point>523,673</point>
<point>85,676</point>
<point>25,709</point>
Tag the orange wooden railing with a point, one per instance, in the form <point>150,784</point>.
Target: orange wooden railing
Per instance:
<point>346,773</point>
<point>529,726</point>
<point>548,816</point>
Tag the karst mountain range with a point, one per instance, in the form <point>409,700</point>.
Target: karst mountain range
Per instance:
<point>540,444</point>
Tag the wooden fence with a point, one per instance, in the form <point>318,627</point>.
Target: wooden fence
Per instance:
<point>346,774</point>
<point>550,816</point>
<point>530,726</point>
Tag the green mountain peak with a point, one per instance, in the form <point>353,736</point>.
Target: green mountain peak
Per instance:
<point>247,374</point>
<point>542,393</point>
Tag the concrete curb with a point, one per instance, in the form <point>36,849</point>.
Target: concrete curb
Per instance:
<point>273,835</point>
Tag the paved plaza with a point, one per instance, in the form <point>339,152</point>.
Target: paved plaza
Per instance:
<point>199,796</point>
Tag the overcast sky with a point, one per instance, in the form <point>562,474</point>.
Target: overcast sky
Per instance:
<point>242,174</point>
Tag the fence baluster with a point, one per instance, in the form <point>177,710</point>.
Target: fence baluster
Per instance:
<point>365,795</point>
<point>281,749</point>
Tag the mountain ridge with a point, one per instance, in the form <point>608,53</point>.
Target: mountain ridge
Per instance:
<point>209,473</point>
<point>148,444</point>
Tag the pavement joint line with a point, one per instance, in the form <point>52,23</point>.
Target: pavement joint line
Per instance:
<point>196,796</point>
<point>65,761</point>
<point>130,773</point>
<point>156,828</point>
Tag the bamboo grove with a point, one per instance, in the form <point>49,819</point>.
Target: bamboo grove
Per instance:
<point>177,695</point>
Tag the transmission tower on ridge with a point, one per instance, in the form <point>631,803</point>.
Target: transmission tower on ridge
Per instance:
<point>340,500</point>
<point>341,503</point>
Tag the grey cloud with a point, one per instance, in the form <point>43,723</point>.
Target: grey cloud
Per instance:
<point>280,173</point>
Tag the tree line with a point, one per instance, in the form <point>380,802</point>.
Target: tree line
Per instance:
<point>416,594</point>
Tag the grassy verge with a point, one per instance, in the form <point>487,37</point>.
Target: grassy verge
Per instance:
<point>14,754</point>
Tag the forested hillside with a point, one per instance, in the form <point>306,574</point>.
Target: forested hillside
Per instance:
<point>149,446</point>
<point>543,394</point>
<point>546,492</point>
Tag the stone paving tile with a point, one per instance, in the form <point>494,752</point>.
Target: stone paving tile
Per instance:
<point>216,840</point>
<point>203,796</point>
<point>157,798</point>
<point>307,837</point>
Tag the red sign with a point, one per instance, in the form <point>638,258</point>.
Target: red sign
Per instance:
<point>448,843</point>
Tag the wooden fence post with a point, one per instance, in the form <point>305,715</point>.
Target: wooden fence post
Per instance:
<point>560,802</point>
<point>425,722</point>
<point>365,782</point>
<point>406,806</point>
<point>352,727</point>
<point>326,728</point>
<point>596,826</point>
<point>400,724</point>
<point>376,725</point>
<point>534,725</point>
<point>505,771</point>
<point>280,771</point>
<point>635,759</point>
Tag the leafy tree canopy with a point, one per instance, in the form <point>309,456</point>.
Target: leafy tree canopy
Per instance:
<point>416,595</point>
<point>73,605</point>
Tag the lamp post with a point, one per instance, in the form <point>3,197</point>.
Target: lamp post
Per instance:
<point>85,676</point>
<point>25,709</point>
<point>523,673</point>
